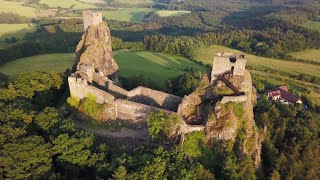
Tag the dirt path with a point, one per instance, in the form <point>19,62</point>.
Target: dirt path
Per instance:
<point>123,133</point>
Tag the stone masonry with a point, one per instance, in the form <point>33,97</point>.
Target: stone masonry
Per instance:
<point>91,18</point>
<point>227,62</point>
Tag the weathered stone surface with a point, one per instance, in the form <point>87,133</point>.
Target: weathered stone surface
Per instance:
<point>94,60</point>
<point>225,124</point>
<point>235,99</point>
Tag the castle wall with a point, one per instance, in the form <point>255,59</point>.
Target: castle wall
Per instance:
<point>91,18</point>
<point>188,104</point>
<point>154,98</point>
<point>220,65</point>
<point>134,111</point>
<point>117,91</point>
<point>226,62</point>
<point>79,89</point>
<point>239,67</point>
<point>236,99</point>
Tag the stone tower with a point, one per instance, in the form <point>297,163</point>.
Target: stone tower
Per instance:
<point>91,18</point>
<point>224,62</point>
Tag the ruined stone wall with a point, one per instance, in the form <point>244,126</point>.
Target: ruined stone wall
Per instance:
<point>226,62</point>
<point>119,108</point>
<point>188,104</point>
<point>239,67</point>
<point>117,91</point>
<point>91,18</point>
<point>128,110</point>
<point>236,99</point>
<point>154,98</point>
<point>219,66</point>
<point>79,89</point>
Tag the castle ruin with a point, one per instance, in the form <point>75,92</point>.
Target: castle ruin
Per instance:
<point>227,62</point>
<point>91,18</point>
<point>95,74</point>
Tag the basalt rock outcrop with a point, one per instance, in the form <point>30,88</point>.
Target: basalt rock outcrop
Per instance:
<point>233,120</point>
<point>94,61</point>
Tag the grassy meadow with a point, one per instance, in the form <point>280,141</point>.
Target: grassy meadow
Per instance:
<point>47,62</point>
<point>315,25</point>
<point>165,13</point>
<point>16,7</point>
<point>126,14</point>
<point>14,30</point>
<point>67,4</point>
<point>131,2</point>
<point>311,55</point>
<point>159,67</point>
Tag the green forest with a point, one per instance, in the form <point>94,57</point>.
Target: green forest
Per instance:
<point>40,138</point>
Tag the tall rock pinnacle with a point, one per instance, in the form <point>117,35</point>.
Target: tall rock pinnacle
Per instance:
<point>94,60</point>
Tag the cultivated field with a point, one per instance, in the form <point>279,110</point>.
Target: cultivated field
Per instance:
<point>93,1</point>
<point>131,2</point>
<point>13,28</point>
<point>48,62</point>
<point>158,67</point>
<point>16,7</point>
<point>311,55</point>
<point>126,14</point>
<point>67,4</point>
<point>165,13</point>
<point>313,25</point>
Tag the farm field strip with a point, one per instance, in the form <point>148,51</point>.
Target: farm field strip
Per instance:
<point>14,29</point>
<point>67,4</point>
<point>126,14</point>
<point>165,13</point>
<point>311,55</point>
<point>16,7</point>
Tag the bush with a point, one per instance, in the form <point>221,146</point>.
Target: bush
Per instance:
<point>73,102</point>
<point>91,107</point>
<point>185,84</point>
<point>162,125</point>
<point>194,143</point>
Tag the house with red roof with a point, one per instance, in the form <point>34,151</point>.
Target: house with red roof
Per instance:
<point>282,94</point>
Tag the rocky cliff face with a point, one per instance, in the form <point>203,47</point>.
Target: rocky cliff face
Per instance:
<point>94,60</point>
<point>234,121</point>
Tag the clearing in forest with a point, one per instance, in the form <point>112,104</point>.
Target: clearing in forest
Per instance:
<point>315,25</point>
<point>165,13</point>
